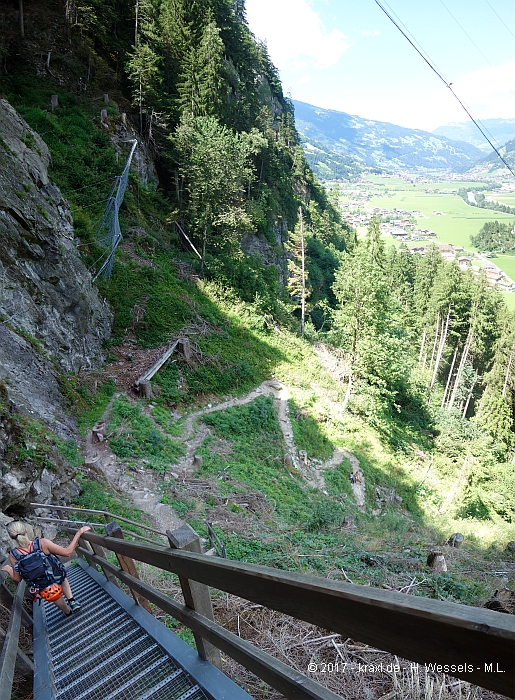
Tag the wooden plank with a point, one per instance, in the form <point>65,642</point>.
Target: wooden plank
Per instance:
<point>24,665</point>
<point>288,681</point>
<point>147,376</point>
<point>470,641</point>
<point>196,595</point>
<point>10,647</point>
<point>126,562</point>
<point>7,599</point>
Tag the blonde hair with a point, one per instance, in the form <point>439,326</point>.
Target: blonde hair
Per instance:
<point>22,533</point>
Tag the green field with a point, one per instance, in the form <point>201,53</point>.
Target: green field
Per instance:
<point>397,183</point>
<point>504,198</point>
<point>459,222</point>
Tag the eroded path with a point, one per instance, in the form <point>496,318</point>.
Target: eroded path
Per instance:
<point>143,486</point>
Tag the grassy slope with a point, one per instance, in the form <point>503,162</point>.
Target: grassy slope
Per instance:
<point>236,347</point>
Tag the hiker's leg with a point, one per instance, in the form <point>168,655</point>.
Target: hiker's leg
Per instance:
<point>67,589</point>
<point>62,605</point>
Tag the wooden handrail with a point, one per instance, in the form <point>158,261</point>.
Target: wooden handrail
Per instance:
<point>99,525</point>
<point>105,513</point>
<point>10,650</point>
<point>277,674</point>
<point>474,644</point>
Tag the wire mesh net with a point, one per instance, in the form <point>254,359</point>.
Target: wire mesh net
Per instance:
<point>109,233</point>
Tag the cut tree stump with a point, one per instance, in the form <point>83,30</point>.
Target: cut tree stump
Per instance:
<point>502,601</point>
<point>436,561</point>
<point>145,389</point>
<point>455,540</point>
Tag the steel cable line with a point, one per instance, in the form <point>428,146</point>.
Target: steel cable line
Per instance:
<point>448,85</point>
<point>500,18</point>
<point>477,47</point>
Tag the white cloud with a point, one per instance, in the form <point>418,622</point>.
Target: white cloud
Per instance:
<point>294,33</point>
<point>370,32</point>
<point>489,92</point>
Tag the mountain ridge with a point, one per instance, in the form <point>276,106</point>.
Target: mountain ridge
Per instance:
<point>500,130</point>
<point>377,144</point>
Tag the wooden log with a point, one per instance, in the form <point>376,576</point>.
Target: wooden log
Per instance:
<point>288,681</point>
<point>419,629</point>
<point>126,562</point>
<point>196,595</point>
<point>103,116</point>
<point>106,98</point>
<point>10,647</point>
<point>147,376</point>
<point>24,665</point>
<point>54,102</point>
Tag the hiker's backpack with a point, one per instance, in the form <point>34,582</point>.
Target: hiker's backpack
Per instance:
<point>38,569</point>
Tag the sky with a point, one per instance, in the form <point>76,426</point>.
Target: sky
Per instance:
<point>348,56</point>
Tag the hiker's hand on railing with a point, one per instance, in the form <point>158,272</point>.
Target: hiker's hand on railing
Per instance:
<point>83,529</point>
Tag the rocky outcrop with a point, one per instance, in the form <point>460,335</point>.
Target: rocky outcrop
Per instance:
<point>52,319</point>
<point>270,255</point>
<point>45,290</point>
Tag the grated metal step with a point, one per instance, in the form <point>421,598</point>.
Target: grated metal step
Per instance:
<point>112,649</point>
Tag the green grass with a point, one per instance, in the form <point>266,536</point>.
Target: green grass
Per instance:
<point>97,496</point>
<point>137,438</point>
<point>308,434</point>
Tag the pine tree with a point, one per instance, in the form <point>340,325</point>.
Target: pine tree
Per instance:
<point>496,409</point>
<point>298,275</point>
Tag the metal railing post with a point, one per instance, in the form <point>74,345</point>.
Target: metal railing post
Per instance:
<point>196,595</point>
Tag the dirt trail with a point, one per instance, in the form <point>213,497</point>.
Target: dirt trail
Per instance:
<point>139,484</point>
<point>143,487</point>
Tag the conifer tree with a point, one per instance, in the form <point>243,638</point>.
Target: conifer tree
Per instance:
<point>496,409</point>
<point>298,275</point>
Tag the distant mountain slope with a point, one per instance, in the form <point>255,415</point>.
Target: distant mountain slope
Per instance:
<point>502,130</point>
<point>508,153</point>
<point>377,144</point>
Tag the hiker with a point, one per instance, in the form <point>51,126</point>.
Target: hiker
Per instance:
<point>351,477</point>
<point>33,560</point>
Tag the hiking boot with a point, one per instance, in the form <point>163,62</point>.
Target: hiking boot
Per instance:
<point>74,605</point>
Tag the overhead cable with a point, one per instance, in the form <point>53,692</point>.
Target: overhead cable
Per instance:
<point>513,35</point>
<point>446,83</point>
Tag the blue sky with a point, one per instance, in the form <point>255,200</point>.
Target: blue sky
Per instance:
<point>346,55</point>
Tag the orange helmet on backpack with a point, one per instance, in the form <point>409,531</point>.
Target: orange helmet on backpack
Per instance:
<point>52,593</point>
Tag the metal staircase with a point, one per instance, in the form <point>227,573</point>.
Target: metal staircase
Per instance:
<point>114,649</point>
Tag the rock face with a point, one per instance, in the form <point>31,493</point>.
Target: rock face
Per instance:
<point>44,288</point>
<point>51,317</point>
